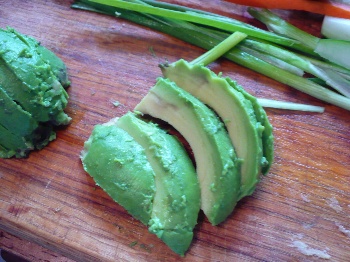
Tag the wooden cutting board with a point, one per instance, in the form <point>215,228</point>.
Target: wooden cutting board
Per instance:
<point>299,212</point>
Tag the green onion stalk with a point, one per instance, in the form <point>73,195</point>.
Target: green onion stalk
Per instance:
<point>174,20</point>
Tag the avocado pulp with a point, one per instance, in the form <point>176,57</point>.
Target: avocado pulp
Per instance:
<point>149,173</point>
<point>237,111</point>
<point>177,197</point>
<point>31,93</point>
<point>216,162</point>
<point>119,166</point>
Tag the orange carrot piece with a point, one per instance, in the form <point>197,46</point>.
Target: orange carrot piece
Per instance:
<point>323,7</point>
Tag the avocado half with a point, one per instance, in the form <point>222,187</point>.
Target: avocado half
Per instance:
<point>235,110</point>
<point>216,162</point>
<point>176,201</point>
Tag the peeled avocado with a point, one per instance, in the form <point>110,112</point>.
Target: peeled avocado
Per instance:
<point>216,162</point>
<point>31,94</point>
<point>120,167</point>
<point>232,107</point>
<point>10,141</point>
<point>11,113</point>
<point>28,79</point>
<point>267,133</point>
<point>177,197</point>
<point>58,67</point>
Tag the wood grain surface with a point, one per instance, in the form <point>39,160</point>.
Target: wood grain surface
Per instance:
<point>299,212</point>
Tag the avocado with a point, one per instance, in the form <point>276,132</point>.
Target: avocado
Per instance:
<point>58,67</point>
<point>177,198</point>
<point>216,163</point>
<point>267,132</point>
<point>20,134</point>
<point>12,144</point>
<point>31,93</point>
<point>12,114</point>
<point>6,153</point>
<point>118,165</point>
<point>28,79</point>
<point>232,107</point>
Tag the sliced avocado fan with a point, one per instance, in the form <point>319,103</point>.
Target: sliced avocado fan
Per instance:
<point>216,117</point>
<point>232,107</point>
<point>216,162</point>
<point>177,197</point>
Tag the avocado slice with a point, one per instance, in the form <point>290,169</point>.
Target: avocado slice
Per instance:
<point>267,133</point>
<point>118,165</point>
<point>177,199</point>
<point>216,163</point>
<point>28,79</point>
<point>13,145</point>
<point>6,153</point>
<point>14,118</point>
<point>58,67</point>
<point>232,107</point>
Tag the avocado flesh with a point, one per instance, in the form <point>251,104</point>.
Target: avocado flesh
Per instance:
<point>232,107</point>
<point>120,167</point>
<point>14,118</point>
<point>28,79</point>
<point>58,67</point>
<point>21,133</point>
<point>6,153</point>
<point>216,162</point>
<point>177,199</point>
<point>267,133</point>
<point>17,126</point>
<point>12,144</point>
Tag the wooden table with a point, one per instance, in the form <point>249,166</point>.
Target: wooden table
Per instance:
<point>300,211</point>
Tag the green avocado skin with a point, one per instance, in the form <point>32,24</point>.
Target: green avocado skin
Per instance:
<point>220,189</point>
<point>177,200</point>
<point>29,80</point>
<point>120,167</point>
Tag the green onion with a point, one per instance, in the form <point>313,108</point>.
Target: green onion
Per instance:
<point>289,105</point>
<point>332,78</point>
<point>220,49</point>
<point>219,22</point>
<point>337,51</point>
<point>271,59</point>
<point>336,28</point>
<point>207,37</point>
<point>280,26</point>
